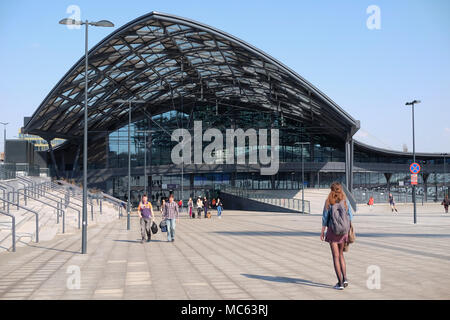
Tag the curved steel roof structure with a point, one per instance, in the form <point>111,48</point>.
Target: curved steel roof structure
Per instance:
<point>160,58</point>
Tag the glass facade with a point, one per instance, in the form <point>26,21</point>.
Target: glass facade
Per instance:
<point>155,132</point>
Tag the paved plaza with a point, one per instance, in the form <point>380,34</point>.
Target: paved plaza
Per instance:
<point>244,255</point>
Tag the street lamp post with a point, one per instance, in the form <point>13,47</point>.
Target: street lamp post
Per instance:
<point>445,173</point>
<point>101,23</point>
<point>145,158</point>
<point>412,103</point>
<point>129,101</point>
<point>4,137</point>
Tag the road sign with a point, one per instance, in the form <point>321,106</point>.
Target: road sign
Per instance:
<point>414,168</point>
<point>414,178</point>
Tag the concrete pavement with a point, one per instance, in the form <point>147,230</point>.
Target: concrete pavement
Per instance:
<point>244,255</point>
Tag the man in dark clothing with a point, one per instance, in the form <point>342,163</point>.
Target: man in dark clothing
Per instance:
<point>205,206</point>
<point>446,203</point>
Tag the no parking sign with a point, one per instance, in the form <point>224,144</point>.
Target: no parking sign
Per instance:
<point>414,168</point>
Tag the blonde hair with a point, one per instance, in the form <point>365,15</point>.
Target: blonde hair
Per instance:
<point>336,195</point>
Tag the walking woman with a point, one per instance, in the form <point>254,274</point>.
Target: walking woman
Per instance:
<point>199,207</point>
<point>190,206</point>
<point>392,203</point>
<point>337,203</point>
<point>219,208</point>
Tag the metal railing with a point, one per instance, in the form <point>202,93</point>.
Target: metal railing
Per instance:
<point>13,228</point>
<point>270,198</point>
<point>28,210</point>
<point>58,208</point>
<point>363,196</point>
<point>12,170</point>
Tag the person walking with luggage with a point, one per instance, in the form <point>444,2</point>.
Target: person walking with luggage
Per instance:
<point>336,219</point>
<point>199,207</point>
<point>392,203</point>
<point>219,208</point>
<point>190,206</point>
<point>145,212</point>
<point>170,216</point>
<point>446,203</point>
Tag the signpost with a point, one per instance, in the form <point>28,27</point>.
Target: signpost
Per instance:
<point>415,169</point>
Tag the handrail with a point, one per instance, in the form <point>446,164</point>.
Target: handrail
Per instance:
<point>288,203</point>
<point>58,202</point>
<point>32,211</point>
<point>13,228</point>
<point>45,203</point>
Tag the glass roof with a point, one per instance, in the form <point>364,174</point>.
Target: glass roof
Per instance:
<point>172,63</point>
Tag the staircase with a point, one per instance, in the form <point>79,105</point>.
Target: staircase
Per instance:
<point>43,196</point>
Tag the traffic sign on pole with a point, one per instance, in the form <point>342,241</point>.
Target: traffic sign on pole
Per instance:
<point>414,178</point>
<point>414,168</point>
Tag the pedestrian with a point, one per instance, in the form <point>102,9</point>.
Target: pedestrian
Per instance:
<point>219,208</point>
<point>190,206</point>
<point>205,206</point>
<point>336,221</point>
<point>199,207</point>
<point>392,203</point>
<point>170,216</point>
<point>145,212</point>
<point>446,203</point>
<point>371,201</point>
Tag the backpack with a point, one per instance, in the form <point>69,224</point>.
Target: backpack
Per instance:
<point>339,220</point>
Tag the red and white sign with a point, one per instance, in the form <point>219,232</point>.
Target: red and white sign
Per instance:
<point>414,178</point>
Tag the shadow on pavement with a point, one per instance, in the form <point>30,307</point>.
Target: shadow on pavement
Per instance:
<point>288,280</point>
<point>139,241</point>
<point>53,249</point>
<point>317,234</point>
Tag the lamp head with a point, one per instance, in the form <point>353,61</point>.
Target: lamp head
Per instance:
<point>70,22</point>
<point>102,23</point>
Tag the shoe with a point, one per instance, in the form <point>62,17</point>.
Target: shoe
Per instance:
<point>338,286</point>
<point>173,240</point>
<point>345,283</point>
<point>148,240</point>
<point>142,241</point>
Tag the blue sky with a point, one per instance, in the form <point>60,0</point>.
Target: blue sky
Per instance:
<point>369,73</point>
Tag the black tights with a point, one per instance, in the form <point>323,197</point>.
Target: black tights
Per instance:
<point>337,250</point>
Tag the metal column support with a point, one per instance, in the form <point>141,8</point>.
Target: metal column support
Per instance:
<point>52,155</point>
<point>349,164</point>
<point>75,162</point>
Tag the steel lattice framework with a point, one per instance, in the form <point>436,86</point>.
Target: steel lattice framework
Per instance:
<point>161,58</point>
